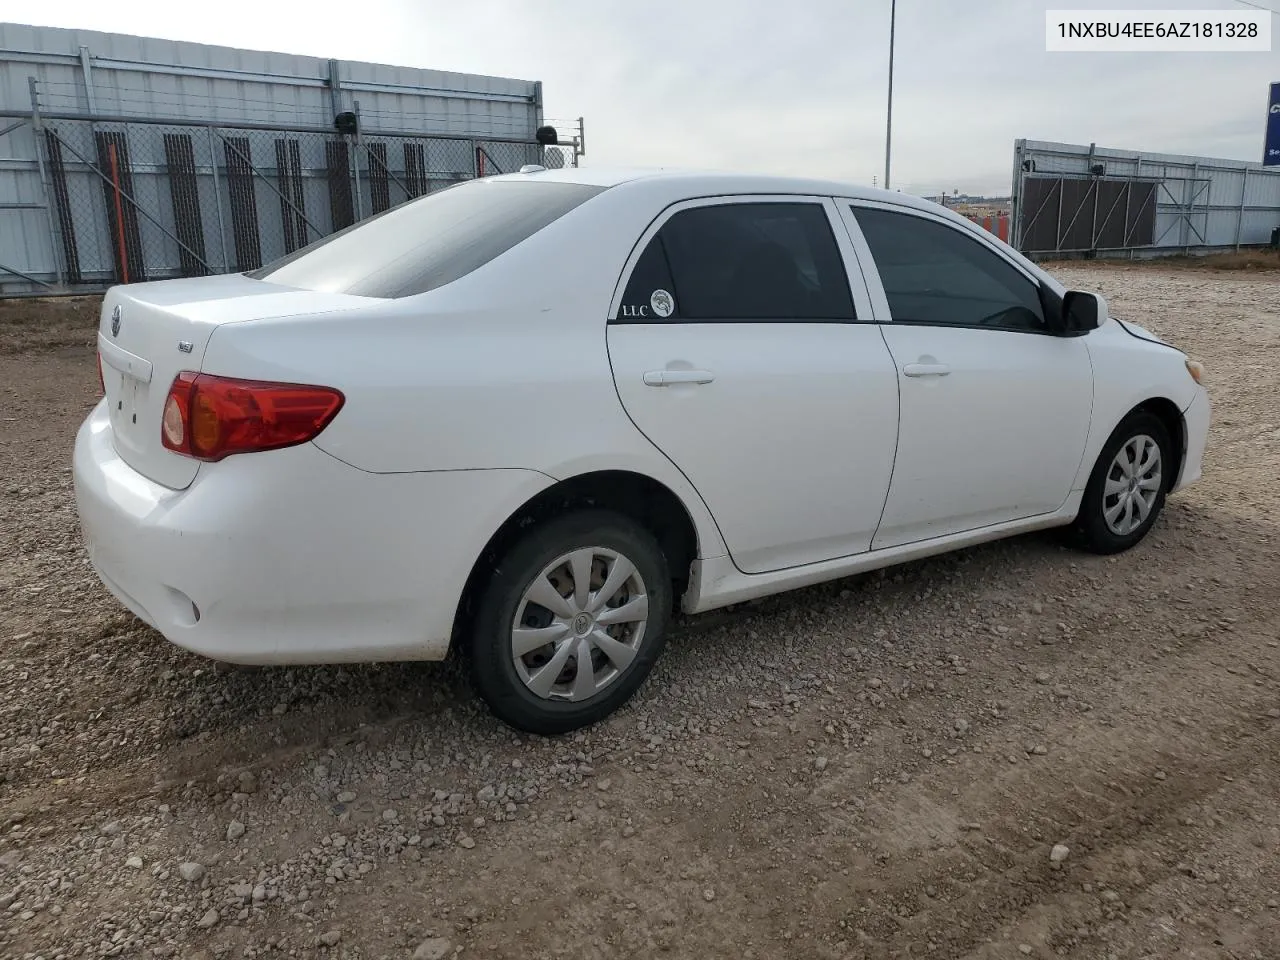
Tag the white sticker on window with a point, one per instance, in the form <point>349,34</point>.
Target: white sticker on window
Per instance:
<point>663,304</point>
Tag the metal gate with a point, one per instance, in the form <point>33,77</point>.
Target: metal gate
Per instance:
<point>1075,199</point>
<point>1085,214</point>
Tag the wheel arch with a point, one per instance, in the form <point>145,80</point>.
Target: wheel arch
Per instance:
<point>1168,413</point>
<point>649,502</point>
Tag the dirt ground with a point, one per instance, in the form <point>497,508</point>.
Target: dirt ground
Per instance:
<point>879,767</point>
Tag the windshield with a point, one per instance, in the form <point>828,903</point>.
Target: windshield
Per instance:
<point>427,242</point>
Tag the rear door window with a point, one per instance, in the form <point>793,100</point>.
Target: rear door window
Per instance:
<point>751,261</point>
<point>428,242</point>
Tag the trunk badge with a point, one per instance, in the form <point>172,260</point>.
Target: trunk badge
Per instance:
<point>115,321</point>
<point>184,346</point>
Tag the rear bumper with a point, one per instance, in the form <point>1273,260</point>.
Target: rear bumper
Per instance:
<point>1196,417</point>
<point>290,556</point>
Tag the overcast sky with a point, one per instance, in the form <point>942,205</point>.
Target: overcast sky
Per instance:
<point>781,87</point>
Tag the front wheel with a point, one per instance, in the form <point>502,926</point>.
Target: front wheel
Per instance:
<point>571,622</point>
<point>1127,488</point>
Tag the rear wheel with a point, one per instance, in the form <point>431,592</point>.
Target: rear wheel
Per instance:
<point>570,622</point>
<point>1127,488</point>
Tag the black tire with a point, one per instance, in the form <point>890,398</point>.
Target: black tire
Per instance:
<point>1091,531</point>
<point>493,667</point>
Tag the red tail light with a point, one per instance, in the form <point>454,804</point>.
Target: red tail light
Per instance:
<point>210,417</point>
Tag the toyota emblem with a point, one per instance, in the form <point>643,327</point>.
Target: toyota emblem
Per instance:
<point>115,321</point>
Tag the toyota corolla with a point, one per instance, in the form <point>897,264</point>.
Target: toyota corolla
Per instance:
<point>529,417</point>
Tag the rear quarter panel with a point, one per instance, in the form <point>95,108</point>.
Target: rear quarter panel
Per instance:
<point>505,368</point>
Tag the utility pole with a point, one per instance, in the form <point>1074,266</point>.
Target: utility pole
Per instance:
<point>888,126</point>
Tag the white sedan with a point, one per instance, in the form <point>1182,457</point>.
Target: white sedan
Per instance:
<point>527,416</point>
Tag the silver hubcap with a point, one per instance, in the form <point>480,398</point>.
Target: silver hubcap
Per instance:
<point>1133,483</point>
<point>579,624</point>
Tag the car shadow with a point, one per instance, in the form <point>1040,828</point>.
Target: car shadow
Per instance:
<point>282,708</point>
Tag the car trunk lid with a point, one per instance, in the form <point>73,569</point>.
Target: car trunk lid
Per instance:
<point>150,332</point>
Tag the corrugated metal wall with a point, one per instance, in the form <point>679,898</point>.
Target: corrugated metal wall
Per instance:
<point>223,158</point>
<point>141,77</point>
<point>1140,204</point>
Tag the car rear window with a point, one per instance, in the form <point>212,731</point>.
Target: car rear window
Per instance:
<point>427,242</point>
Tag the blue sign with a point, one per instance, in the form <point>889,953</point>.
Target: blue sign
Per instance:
<point>1271,152</point>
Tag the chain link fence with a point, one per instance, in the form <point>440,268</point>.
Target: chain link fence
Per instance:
<point>135,201</point>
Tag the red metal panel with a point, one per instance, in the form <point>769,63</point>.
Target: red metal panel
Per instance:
<point>122,216</point>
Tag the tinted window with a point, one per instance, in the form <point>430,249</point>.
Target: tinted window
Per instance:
<point>428,242</point>
<point>934,274</point>
<point>741,261</point>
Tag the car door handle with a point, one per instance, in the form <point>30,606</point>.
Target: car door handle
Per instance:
<point>664,378</point>
<point>926,370</point>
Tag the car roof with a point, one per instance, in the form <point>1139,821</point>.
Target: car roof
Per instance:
<point>696,182</point>
<point>665,185</point>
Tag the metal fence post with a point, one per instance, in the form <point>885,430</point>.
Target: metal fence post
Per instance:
<point>1015,197</point>
<point>355,164</point>
<point>87,72</point>
<point>1057,224</point>
<point>1097,190</point>
<point>217,202</point>
<point>1191,203</point>
<point>335,88</point>
<point>1244,187</point>
<point>37,130</point>
<point>1137,175</point>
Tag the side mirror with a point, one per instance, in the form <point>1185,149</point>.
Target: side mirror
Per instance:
<point>1082,312</point>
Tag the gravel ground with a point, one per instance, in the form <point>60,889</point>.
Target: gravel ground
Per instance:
<point>1014,751</point>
